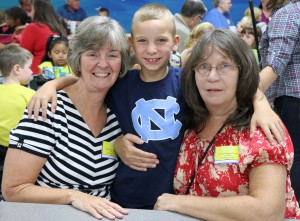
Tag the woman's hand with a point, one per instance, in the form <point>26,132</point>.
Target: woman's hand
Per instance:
<point>132,156</point>
<point>97,206</point>
<point>47,93</point>
<point>166,202</point>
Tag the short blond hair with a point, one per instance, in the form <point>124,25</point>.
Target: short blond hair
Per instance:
<point>153,12</point>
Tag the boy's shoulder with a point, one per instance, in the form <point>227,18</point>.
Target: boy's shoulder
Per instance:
<point>16,90</point>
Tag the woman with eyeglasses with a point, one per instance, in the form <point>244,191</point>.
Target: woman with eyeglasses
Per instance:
<point>222,173</point>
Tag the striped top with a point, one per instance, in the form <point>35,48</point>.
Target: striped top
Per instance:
<point>74,155</point>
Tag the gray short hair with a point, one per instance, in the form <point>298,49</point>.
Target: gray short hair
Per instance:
<point>93,33</point>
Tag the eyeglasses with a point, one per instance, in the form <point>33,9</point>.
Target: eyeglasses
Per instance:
<point>205,69</point>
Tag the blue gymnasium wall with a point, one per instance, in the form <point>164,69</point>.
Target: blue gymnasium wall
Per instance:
<point>123,10</point>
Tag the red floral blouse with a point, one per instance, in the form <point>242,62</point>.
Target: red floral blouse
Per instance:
<point>221,180</point>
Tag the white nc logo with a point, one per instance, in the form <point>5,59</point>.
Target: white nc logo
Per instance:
<point>146,112</point>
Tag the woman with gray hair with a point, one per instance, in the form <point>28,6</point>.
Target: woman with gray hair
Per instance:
<point>69,159</point>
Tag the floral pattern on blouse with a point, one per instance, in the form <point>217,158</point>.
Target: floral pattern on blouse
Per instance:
<point>221,180</point>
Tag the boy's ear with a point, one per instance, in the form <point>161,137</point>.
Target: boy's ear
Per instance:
<point>16,69</point>
<point>176,42</point>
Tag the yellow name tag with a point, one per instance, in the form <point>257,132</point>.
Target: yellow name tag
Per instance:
<point>108,150</point>
<point>227,154</point>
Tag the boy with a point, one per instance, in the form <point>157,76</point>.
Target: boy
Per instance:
<point>148,105</point>
<point>15,67</point>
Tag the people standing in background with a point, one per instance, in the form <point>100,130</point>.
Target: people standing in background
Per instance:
<point>219,16</point>
<point>45,23</point>
<point>191,14</point>
<point>27,5</point>
<point>72,12</point>
<point>103,12</point>
<point>280,76</point>
<point>56,55</point>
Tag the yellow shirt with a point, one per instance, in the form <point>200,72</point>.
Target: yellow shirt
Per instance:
<point>48,64</point>
<point>13,99</point>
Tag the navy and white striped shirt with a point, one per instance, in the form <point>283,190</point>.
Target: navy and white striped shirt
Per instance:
<point>74,155</point>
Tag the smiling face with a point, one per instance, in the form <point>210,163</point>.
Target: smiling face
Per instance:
<point>100,69</point>
<point>58,54</point>
<point>153,42</point>
<point>218,90</point>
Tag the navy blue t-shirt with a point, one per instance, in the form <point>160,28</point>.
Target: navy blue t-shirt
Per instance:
<point>154,112</point>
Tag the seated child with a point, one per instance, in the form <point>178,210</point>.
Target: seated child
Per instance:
<point>15,67</point>
<point>247,34</point>
<point>56,55</point>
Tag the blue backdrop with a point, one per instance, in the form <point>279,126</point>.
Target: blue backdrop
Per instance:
<point>123,10</point>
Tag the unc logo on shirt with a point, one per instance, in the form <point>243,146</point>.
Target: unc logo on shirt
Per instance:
<point>155,119</point>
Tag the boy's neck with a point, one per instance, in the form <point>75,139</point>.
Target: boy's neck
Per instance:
<point>153,75</point>
<point>11,80</point>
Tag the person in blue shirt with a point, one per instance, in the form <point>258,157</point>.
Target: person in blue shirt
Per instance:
<point>219,15</point>
<point>71,11</point>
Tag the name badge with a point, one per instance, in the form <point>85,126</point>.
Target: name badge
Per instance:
<point>227,155</point>
<point>108,150</point>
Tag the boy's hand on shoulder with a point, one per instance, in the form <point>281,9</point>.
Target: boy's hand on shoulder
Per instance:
<point>268,120</point>
<point>40,100</point>
<point>132,156</point>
